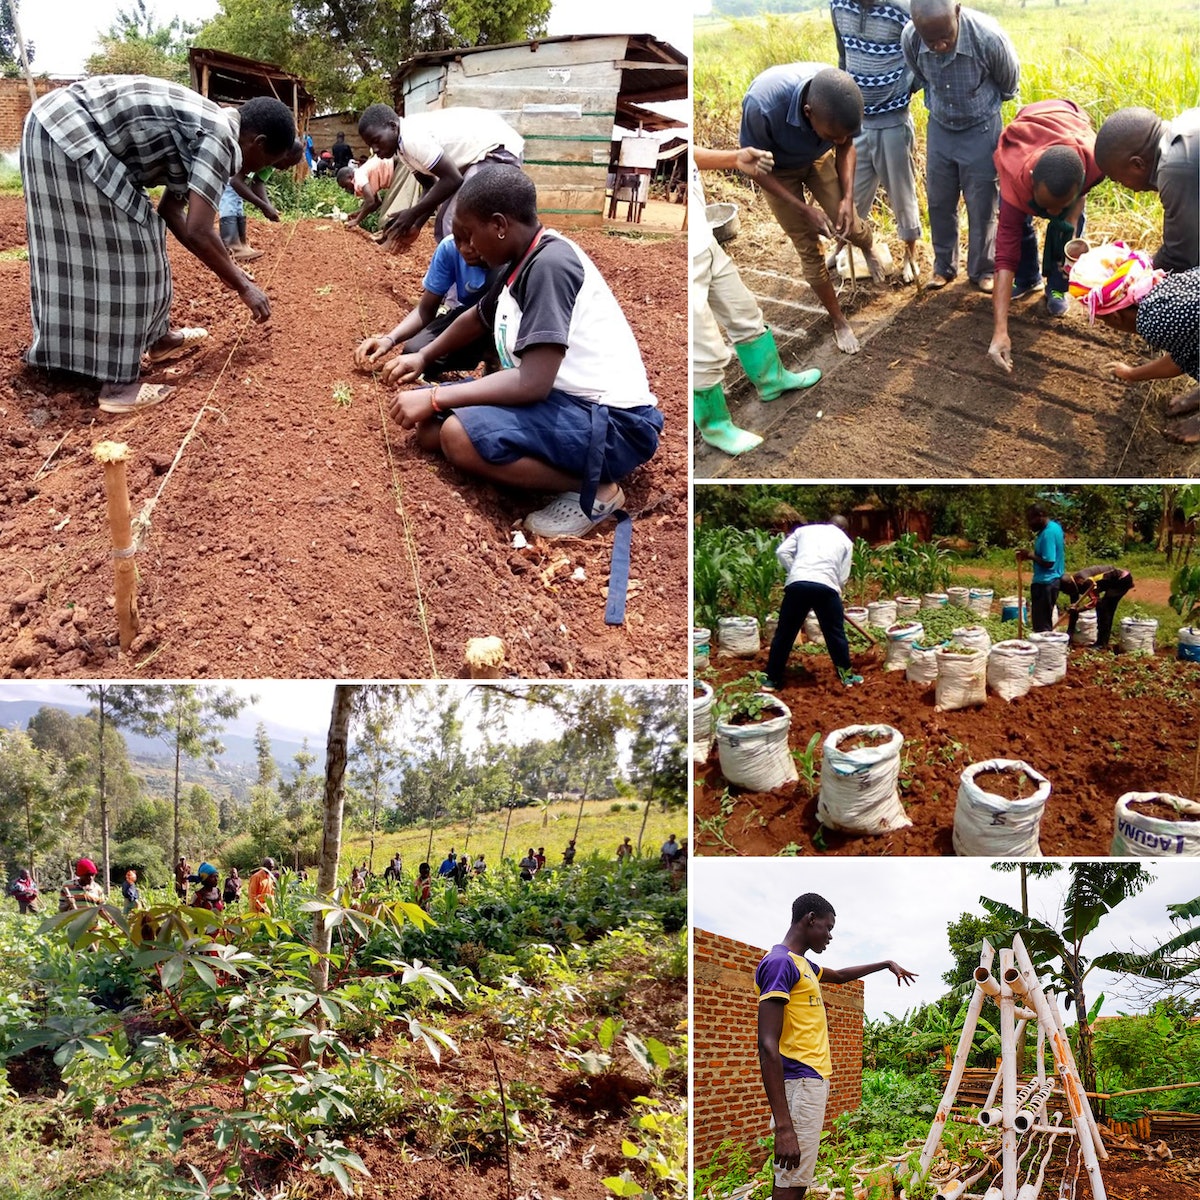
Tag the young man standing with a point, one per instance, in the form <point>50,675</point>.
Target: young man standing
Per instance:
<point>967,67</point>
<point>793,1039</point>
<point>1049,563</point>
<point>868,36</point>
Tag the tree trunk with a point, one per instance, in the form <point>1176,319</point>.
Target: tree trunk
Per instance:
<point>12,12</point>
<point>374,825</point>
<point>178,749</point>
<point>331,841</point>
<point>587,783</point>
<point>1087,1072</point>
<point>104,800</point>
<point>650,795</point>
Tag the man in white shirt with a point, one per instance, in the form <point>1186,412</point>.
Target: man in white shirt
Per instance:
<point>441,148</point>
<point>817,561</point>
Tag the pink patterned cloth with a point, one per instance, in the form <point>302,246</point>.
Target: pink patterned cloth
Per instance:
<point>1112,277</point>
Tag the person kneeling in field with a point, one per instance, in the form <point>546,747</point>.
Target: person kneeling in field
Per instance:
<point>456,275</point>
<point>1123,289</point>
<point>573,412</point>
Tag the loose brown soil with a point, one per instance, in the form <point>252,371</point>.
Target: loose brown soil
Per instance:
<point>767,714</point>
<point>1006,785</point>
<point>1160,810</point>
<point>863,741</point>
<point>922,399</point>
<point>278,547</point>
<point>1107,729</point>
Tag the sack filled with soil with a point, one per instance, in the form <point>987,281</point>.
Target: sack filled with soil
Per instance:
<point>961,678</point>
<point>999,809</point>
<point>738,636</point>
<point>1010,668</point>
<point>901,639</point>
<point>755,754</point>
<point>860,767</point>
<point>1138,634</point>
<point>702,721</point>
<point>922,665</point>
<point>1156,825</point>
<point>1051,664</point>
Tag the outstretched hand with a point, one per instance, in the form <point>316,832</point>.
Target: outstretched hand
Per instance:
<point>754,162</point>
<point>1122,371</point>
<point>1000,352</point>
<point>902,976</point>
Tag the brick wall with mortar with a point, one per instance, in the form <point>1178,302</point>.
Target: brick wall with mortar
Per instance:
<point>727,1095</point>
<point>15,106</point>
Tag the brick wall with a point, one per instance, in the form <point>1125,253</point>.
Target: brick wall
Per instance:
<point>15,106</point>
<point>727,1094</point>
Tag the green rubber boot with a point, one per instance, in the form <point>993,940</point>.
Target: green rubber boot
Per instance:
<point>711,414</point>
<point>760,361</point>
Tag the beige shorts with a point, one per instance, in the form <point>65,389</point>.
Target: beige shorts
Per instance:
<point>806,1102</point>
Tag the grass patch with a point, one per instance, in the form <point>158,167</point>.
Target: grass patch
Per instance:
<point>10,178</point>
<point>15,254</point>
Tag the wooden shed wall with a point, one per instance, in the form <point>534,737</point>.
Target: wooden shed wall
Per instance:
<point>561,98</point>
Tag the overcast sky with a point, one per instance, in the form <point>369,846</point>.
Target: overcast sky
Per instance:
<point>898,908</point>
<point>65,32</point>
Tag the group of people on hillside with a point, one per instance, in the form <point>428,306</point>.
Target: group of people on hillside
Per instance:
<point>564,404</point>
<point>820,140</point>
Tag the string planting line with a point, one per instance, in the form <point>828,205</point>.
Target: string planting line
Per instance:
<point>410,541</point>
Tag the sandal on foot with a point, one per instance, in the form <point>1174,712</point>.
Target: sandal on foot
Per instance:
<point>191,340</point>
<point>563,516</point>
<point>146,396</point>
<point>936,283</point>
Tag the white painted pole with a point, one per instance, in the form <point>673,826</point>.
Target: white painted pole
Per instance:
<point>965,1038</point>
<point>1008,1088</point>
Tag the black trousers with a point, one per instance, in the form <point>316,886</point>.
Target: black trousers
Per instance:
<point>1042,599</point>
<point>1110,595</point>
<point>799,599</point>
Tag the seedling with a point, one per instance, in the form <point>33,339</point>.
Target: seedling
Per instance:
<point>342,394</point>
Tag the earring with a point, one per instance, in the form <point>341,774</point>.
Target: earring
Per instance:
<point>500,237</point>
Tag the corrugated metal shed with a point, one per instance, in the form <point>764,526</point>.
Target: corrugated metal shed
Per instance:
<point>563,95</point>
<point>231,79</point>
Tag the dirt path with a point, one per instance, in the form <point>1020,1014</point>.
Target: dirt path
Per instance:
<point>278,547</point>
<point>922,400</point>
<point>1145,590</point>
<point>1113,725</point>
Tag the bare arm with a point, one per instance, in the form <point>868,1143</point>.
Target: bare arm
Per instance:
<point>849,974</point>
<point>191,221</point>
<point>747,159</point>
<point>447,180</point>
<point>770,1062</point>
<point>1157,368</point>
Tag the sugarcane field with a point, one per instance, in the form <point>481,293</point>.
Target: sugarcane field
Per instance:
<point>949,716</point>
<point>1042,1044</point>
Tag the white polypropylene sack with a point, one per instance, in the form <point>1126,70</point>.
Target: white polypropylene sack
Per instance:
<point>900,639</point>
<point>738,636</point>
<point>1140,836</point>
<point>881,613</point>
<point>1010,668</point>
<point>922,665</point>
<point>958,597</point>
<point>858,787</point>
<point>1189,644</point>
<point>756,757</point>
<point>961,679</point>
<point>702,722</point>
<point>1051,665</point>
<point>856,614</point>
<point>974,636</point>
<point>907,606</point>
<point>980,601</point>
<point>934,600</point>
<point>1010,608</point>
<point>770,625</point>
<point>990,826</point>
<point>812,630</point>
<point>1137,634</point>
<point>701,647</point>
<point>1085,629</point>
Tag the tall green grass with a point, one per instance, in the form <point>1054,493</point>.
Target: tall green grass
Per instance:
<point>1104,55</point>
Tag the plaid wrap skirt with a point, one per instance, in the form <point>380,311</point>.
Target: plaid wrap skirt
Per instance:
<point>99,280</point>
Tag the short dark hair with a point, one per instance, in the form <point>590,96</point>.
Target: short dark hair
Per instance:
<point>810,902</point>
<point>376,116</point>
<point>1061,170</point>
<point>1036,510</point>
<point>344,173</point>
<point>1125,134</point>
<point>931,8</point>
<point>836,96</point>
<point>499,188</point>
<point>272,119</point>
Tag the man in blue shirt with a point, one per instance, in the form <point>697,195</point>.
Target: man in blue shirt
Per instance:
<point>1049,562</point>
<point>808,115</point>
<point>967,67</point>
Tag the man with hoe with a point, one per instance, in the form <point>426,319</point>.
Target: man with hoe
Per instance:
<point>793,1038</point>
<point>1049,563</point>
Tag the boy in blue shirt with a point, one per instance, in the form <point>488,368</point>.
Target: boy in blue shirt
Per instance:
<point>1049,562</point>
<point>456,276</point>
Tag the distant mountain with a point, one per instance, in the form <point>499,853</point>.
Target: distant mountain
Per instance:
<point>239,748</point>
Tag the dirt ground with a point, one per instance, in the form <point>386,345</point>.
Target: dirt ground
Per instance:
<point>1114,725</point>
<point>277,547</point>
<point>922,399</point>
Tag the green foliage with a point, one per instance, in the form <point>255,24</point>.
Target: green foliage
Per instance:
<point>1160,1047</point>
<point>656,1153</point>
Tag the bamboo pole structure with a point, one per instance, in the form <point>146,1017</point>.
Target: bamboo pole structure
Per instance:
<point>113,456</point>
<point>1008,1087</point>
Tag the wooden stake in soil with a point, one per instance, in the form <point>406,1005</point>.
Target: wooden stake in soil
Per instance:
<point>113,455</point>
<point>484,657</point>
